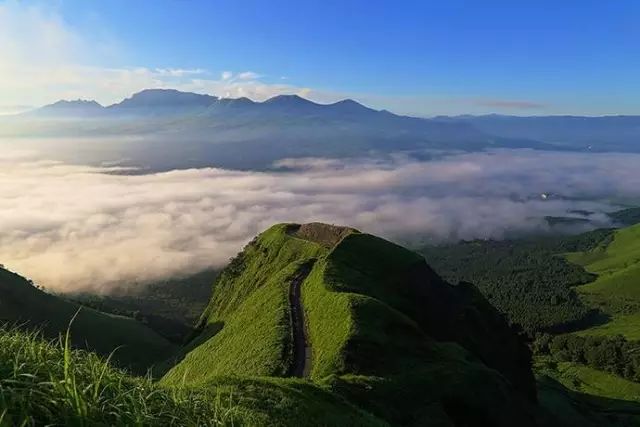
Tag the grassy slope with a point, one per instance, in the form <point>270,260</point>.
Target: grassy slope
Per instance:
<point>245,328</point>
<point>616,291</point>
<point>138,347</point>
<point>362,348</point>
<point>617,287</point>
<point>617,265</point>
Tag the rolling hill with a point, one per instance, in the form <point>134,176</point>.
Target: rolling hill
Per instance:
<point>134,345</point>
<point>616,288</point>
<point>378,327</point>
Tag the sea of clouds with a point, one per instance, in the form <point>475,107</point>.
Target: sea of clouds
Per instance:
<point>74,227</point>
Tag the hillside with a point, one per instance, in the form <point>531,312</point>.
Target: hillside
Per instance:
<point>133,344</point>
<point>379,328</point>
<point>616,288</point>
<point>583,289</point>
<point>527,279</point>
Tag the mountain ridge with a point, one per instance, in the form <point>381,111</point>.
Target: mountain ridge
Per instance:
<point>380,324</point>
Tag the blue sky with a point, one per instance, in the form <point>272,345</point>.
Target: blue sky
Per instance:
<point>422,57</point>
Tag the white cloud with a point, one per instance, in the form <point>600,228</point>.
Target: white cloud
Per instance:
<point>44,60</point>
<point>70,227</point>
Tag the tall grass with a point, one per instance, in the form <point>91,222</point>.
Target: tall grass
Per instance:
<point>48,383</point>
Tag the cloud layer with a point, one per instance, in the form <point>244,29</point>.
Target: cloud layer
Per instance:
<point>76,227</point>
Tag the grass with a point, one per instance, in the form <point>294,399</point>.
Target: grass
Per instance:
<point>139,347</point>
<point>246,327</point>
<point>367,349</point>
<point>47,383</point>
<point>627,325</point>
<point>617,265</point>
<point>616,290</point>
<point>590,381</point>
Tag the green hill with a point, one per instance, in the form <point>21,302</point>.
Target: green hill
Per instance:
<point>377,327</point>
<point>134,345</point>
<point>616,288</point>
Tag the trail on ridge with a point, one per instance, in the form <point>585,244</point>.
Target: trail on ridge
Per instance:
<point>301,366</point>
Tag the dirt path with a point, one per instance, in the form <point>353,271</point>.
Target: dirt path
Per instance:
<point>301,366</point>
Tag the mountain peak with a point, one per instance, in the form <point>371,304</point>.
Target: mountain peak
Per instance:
<point>166,98</point>
<point>75,103</point>
<point>71,108</point>
<point>349,106</point>
<point>288,100</point>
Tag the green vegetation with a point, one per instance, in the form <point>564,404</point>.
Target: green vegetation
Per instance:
<point>245,329</point>
<point>616,264</point>
<point>391,342</point>
<point>375,315</point>
<point>625,217</point>
<point>44,383</point>
<point>136,346</point>
<point>586,284</point>
<point>525,279</point>
<point>170,307</point>
<point>572,395</point>
<point>614,355</point>
<point>49,384</point>
<point>182,299</point>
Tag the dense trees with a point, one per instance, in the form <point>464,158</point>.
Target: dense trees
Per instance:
<point>614,354</point>
<point>526,279</point>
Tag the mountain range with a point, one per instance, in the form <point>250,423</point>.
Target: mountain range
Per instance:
<point>174,129</point>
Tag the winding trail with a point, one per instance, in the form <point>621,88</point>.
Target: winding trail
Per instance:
<point>301,366</point>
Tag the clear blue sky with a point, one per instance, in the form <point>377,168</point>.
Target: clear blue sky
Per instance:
<point>521,57</point>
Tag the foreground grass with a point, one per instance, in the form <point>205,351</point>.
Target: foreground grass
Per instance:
<point>46,383</point>
<point>24,304</point>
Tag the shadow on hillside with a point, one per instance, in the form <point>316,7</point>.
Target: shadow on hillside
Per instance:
<point>198,337</point>
<point>564,407</point>
<point>594,318</point>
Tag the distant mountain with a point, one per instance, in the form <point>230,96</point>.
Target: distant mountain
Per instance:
<point>241,133</point>
<point>162,101</point>
<point>71,109</point>
<point>605,133</point>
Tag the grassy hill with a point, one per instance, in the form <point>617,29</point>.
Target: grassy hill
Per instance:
<point>134,345</point>
<point>384,331</point>
<point>616,288</point>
